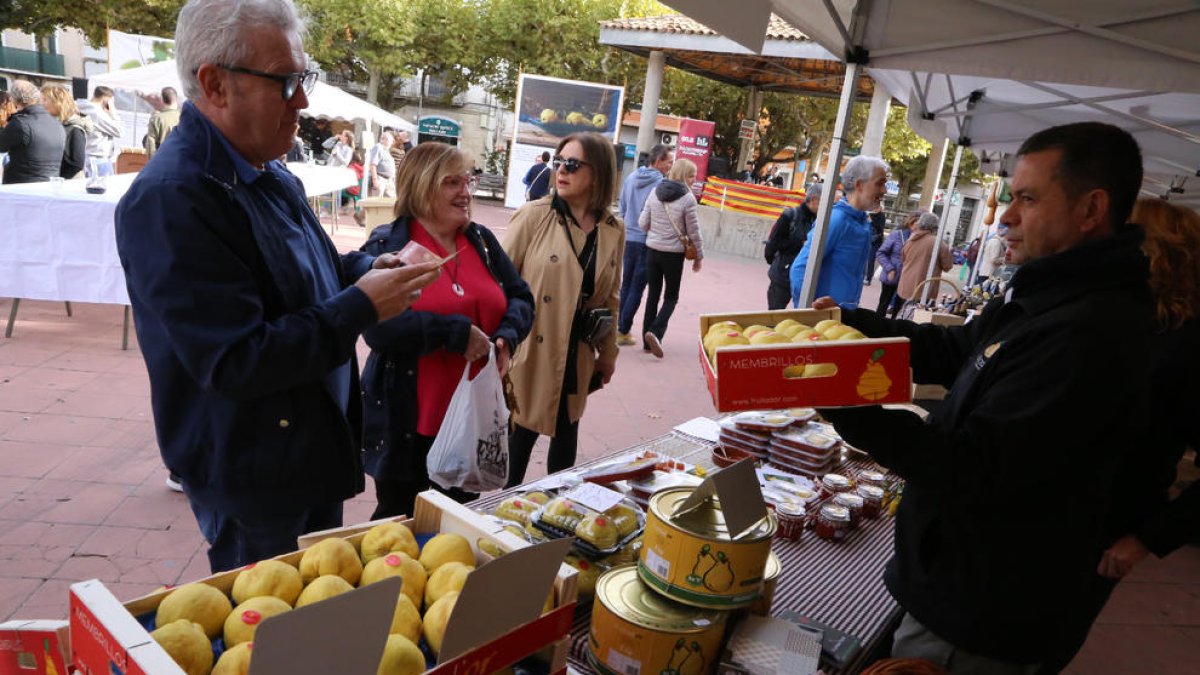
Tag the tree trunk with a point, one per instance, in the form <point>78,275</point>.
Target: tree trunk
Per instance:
<point>373,87</point>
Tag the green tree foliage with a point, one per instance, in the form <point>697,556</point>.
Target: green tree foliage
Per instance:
<point>93,17</point>
<point>689,95</point>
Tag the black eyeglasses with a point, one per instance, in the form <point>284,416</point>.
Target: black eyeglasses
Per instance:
<point>290,81</point>
<point>569,165</point>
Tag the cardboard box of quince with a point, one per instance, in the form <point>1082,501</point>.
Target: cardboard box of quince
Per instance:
<point>296,615</point>
<point>799,357</point>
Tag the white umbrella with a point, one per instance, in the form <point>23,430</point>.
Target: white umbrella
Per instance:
<point>325,101</point>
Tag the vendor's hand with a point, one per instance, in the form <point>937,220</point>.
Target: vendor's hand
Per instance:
<point>478,345</point>
<point>606,370</point>
<point>696,265</point>
<point>392,291</point>
<point>1121,557</point>
<point>387,261</point>
<point>503,356</point>
<point>825,302</point>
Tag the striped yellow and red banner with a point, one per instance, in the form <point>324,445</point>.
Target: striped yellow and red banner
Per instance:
<point>758,200</point>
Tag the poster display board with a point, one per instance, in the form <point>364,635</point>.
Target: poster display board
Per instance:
<point>548,110</point>
<point>695,144</point>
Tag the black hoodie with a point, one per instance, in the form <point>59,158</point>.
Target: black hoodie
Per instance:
<point>668,191</point>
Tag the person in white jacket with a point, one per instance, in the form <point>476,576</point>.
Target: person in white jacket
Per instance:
<point>669,220</point>
<point>106,128</point>
<point>992,256</point>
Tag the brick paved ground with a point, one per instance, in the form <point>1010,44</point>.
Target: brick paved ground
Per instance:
<point>82,494</point>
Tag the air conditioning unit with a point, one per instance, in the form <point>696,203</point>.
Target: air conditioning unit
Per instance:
<point>668,139</point>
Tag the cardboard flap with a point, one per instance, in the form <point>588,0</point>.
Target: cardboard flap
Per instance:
<point>503,594</point>
<point>304,640</point>
<point>737,489</point>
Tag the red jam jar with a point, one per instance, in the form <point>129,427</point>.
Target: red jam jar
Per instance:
<point>791,521</point>
<point>833,523</point>
<point>853,504</point>
<point>872,496</point>
<point>869,477</point>
<point>834,483</point>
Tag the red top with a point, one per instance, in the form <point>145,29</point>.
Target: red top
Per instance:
<point>483,301</point>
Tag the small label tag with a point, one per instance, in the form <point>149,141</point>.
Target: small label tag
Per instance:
<point>595,497</point>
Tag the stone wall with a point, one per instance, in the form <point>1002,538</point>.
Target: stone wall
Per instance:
<point>733,233</point>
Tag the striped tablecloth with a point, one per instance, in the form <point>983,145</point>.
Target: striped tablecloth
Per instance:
<point>840,585</point>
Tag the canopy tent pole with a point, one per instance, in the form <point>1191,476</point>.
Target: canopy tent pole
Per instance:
<point>856,60</point>
<point>946,199</point>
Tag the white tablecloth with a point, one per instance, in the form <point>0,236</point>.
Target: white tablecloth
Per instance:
<point>57,241</point>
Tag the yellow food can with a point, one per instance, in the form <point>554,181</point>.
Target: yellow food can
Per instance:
<point>636,631</point>
<point>762,604</point>
<point>692,557</point>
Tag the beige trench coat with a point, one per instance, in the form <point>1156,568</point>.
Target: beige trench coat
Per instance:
<point>538,247</point>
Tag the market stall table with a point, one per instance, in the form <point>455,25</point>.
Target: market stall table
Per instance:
<point>839,585</point>
<point>58,242</point>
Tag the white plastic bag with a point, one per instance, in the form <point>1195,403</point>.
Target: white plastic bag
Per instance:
<point>471,447</point>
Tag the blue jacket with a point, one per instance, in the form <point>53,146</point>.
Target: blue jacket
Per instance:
<point>634,193</point>
<point>537,180</point>
<point>389,382</point>
<point>888,256</point>
<point>847,247</point>
<point>240,347</point>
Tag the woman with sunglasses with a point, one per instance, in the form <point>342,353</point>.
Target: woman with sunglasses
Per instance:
<point>568,246</point>
<point>479,303</point>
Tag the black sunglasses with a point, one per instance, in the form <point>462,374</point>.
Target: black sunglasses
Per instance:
<point>290,81</point>
<point>570,165</point>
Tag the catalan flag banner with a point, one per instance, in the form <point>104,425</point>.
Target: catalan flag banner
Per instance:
<point>758,200</point>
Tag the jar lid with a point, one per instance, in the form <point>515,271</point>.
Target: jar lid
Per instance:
<point>835,513</point>
<point>789,509</point>
<point>849,500</point>
<point>869,476</point>
<point>835,481</point>
<point>870,491</point>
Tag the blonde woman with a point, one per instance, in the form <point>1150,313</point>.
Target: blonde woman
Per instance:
<point>58,102</point>
<point>569,247</point>
<point>670,223</point>
<point>478,304</point>
<point>1154,524</point>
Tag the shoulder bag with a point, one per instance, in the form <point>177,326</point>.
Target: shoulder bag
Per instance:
<point>689,249</point>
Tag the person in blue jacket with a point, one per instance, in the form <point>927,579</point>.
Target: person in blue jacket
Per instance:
<point>246,315</point>
<point>848,242</point>
<point>634,192</point>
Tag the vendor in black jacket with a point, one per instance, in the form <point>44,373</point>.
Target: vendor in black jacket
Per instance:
<point>785,241</point>
<point>1003,519</point>
<point>33,138</point>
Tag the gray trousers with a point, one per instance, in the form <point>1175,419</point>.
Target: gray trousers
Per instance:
<point>913,640</point>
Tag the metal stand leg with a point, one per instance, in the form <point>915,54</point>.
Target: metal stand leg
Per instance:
<point>125,330</point>
<point>12,317</point>
<point>68,304</point>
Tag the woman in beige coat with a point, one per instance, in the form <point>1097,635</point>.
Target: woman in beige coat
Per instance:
<point>914,266</point>
<point>568,247</point>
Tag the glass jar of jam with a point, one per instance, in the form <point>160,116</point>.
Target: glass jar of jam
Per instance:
<point>869,477</point>
<point>833,483</point>
<point>872,496</point>
<point>791,521</point>
<point>853,504</point>
<point>833,522</point>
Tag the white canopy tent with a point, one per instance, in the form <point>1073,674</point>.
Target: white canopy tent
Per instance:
<point>325,101</point>
<point>990,72</point>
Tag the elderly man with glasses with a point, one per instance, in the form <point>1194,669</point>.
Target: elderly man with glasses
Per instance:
<point>246,314</point>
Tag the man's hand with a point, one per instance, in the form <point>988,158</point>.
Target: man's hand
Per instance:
<point>606,369</point>
<point>1121,557</point>
<point>891,277</point>
<point>696,265</point>
<point>478,345</point>
<point>824,303</point>
<point>503,356</point>
<point>394,290</point>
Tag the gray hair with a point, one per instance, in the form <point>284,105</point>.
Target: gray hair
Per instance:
<point>212,31</point>
<point>25,93</point>
<point>860,168</point>
<point>928,221</point>
<point>813,192</point>
<point>657,153</point>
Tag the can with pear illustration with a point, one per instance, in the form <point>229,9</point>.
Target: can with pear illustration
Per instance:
<point>636,631</point>
<point>693,558</point>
